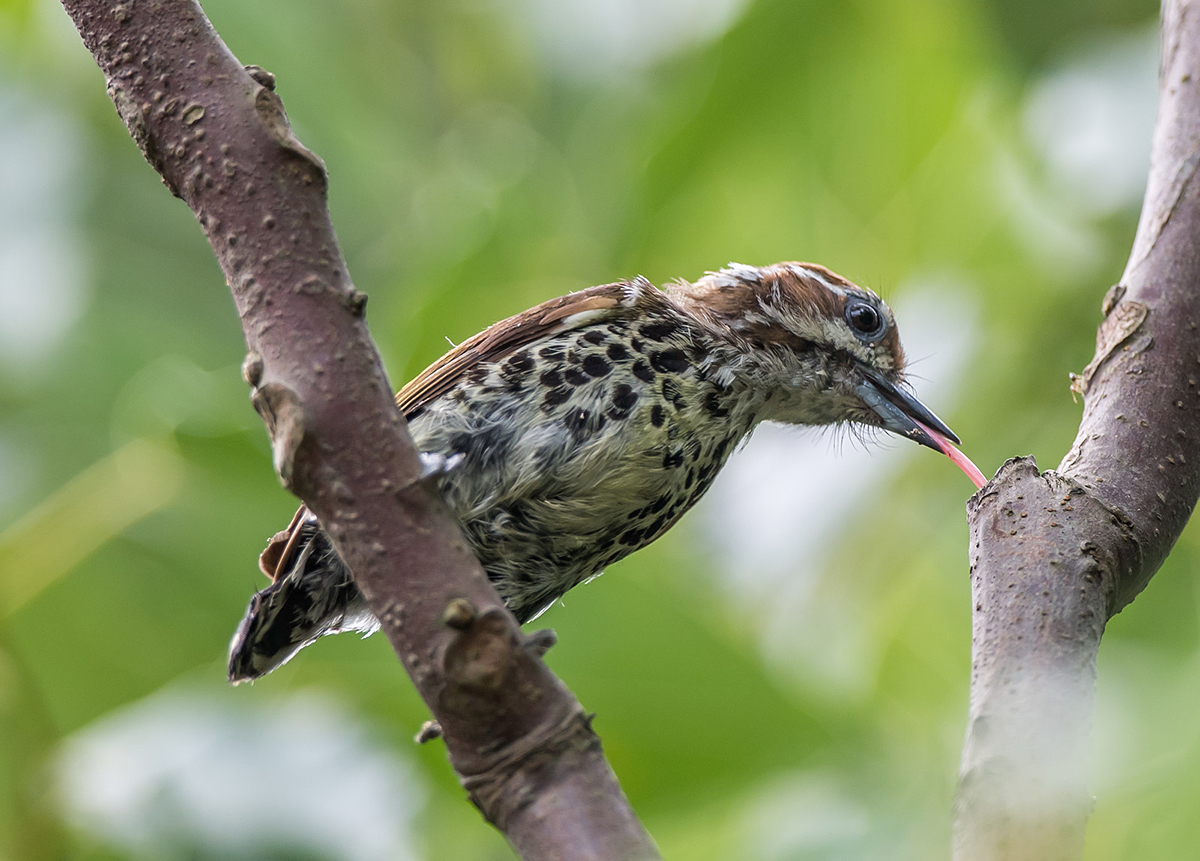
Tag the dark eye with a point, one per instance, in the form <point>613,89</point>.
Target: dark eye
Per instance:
<point>865,320</point>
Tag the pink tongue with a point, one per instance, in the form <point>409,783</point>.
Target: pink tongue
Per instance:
<point>963,462</point>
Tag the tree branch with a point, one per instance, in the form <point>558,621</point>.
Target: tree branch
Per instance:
<point>217,134</point>
<point>1055,555</point>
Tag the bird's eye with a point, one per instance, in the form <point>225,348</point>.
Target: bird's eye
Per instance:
<point>865,320</point>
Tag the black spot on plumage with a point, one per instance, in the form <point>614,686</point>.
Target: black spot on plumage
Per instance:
<point>692,448</point>
<point>719,451</point>
<point>617,353</point>
<point>669,361</point>
<point>636,344</point>
<point>484,445</point>
<point>551,379</point>
<point>551,352</point>
<point>491,442</point>
<point>659,504</point>
<point>521,363</point>
<point>657,331</point>
<point>478,374</point>
<point>596,366</point>
<point>631,537</point>
<point>713,403</point>
<point>595,336</point>
<point>576,377</point>
<point>624,397</point>
<point>657,415</point>
<point>658,525</point>
<point>673,459</point>
<point>673,393</point>
<point>642,371</point>
<point>555,397</point>
<point>515,371</point>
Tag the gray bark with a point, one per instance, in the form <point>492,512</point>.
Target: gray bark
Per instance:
<point>1055,555</point>
<point>217,134</point>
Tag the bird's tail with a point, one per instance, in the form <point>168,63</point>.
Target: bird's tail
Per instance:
<point>313,595</point>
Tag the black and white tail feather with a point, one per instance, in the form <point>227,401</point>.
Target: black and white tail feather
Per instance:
<point>314,597</point>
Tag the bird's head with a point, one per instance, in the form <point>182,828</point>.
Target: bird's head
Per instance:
<point>828,350</point>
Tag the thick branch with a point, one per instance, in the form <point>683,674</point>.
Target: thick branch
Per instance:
<point>218,135</point>
<point>1055,555</point>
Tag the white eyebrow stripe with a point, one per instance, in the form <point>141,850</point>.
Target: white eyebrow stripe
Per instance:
<point>744,272</point>
<point>816,276</point>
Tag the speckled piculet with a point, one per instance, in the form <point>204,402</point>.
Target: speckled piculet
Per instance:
<point>584,428</point>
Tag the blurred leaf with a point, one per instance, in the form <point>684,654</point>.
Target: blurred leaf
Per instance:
<point>137,479</point>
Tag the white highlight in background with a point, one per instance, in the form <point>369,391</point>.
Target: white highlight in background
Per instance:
<point>1091,121</point>
<point>42,285</point>
<point>194,775</point>
<point>598,37</point>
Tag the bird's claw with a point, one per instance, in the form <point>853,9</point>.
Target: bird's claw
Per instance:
<point>430,730</point>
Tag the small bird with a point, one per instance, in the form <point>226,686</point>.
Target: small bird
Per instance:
<point>582,429</point>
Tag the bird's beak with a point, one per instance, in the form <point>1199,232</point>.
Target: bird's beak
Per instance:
<point>903,414</point>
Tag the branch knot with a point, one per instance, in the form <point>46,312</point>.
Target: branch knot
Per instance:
<point>516,774</point>
<point>271,114</point>
<point>283,412</point>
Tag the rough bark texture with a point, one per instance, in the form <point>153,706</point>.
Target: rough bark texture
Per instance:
<point>1055,555</point>
<point>217,134</point>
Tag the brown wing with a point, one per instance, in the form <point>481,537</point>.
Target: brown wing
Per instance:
<point>607,301</point>
<point>276,558</point>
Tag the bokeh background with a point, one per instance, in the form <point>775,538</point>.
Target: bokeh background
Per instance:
<point>784,676</point>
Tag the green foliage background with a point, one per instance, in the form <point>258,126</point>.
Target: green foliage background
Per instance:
<point>471,179</point>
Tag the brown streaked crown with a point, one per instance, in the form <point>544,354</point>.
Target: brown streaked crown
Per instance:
<point>791,304</point>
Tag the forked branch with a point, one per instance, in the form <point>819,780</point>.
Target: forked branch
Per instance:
<point>1055,555</point>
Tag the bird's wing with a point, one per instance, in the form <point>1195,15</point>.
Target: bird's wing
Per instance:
<point>277,556</point>
<point>605,302</point>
